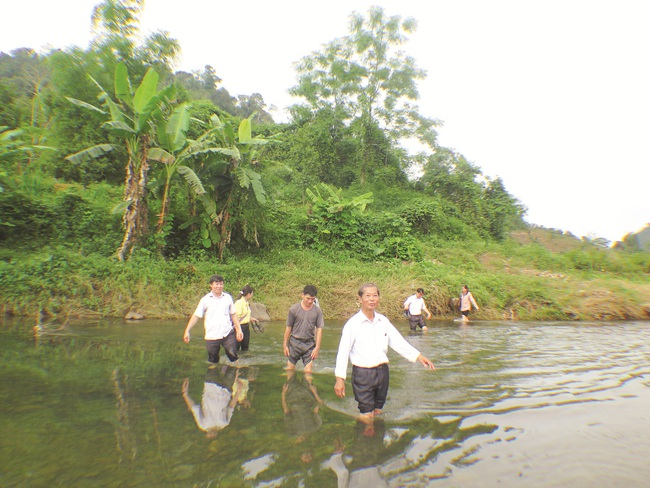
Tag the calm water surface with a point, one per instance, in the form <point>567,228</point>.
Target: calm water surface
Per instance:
<point>510,404</point>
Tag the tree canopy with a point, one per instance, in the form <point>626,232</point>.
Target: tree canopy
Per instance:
<point>214,170</point>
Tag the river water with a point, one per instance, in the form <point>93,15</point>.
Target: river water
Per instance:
<point>510,404</point>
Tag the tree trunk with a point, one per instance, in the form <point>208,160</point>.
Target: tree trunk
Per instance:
<point>135,217</point>
<point>163,208</point>
<point>223,226</point>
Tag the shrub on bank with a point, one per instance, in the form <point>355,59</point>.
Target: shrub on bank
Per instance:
<point>67,282</point>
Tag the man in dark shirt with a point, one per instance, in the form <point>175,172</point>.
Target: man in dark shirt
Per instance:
<point>304,331</point>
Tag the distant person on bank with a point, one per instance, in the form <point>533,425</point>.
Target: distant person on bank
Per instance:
<point>364,342</point>
<point>304,331</point>
<point>243,309</point>
<point>220,322</point>
<point>466,303</point>
<point>415,305</point>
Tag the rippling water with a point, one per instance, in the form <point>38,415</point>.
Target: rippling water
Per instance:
<point>510,404</point>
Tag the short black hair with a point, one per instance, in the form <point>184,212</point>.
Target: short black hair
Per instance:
<point>215,278</point>
<point>310,290</point>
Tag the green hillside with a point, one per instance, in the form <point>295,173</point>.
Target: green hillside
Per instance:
<point>124,185</point>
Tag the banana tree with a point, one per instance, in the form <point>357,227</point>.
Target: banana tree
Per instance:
<point>175,151</point>
<point>133,118</point>
<point>14,148</point>
<point>241,159</point>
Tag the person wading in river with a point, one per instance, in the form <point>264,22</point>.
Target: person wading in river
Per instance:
<point>220,322</point>
<point>415,305</point>
<point>364,342</point>
<point>304,331</point>
<point>466,303</point>
<point>243,308</point>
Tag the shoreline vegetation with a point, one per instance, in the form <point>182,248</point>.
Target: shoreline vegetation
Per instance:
<point>125,184</point>
<point>528,277</point>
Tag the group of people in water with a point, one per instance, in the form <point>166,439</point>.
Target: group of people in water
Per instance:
<point>365,338</point>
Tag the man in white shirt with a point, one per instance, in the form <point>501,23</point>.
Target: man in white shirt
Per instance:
<point>220,321</point>
<point>415,305</point>
<point>364,342</point>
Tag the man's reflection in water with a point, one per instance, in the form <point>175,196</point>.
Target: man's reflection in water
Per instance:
<point>301,403</point>
<point>224,388</point>
<point>360,466</point>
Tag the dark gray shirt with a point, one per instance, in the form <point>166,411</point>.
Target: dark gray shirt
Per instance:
<point>303,323</point>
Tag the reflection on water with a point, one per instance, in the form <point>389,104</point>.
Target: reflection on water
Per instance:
<point>300,403</point>
<point>224,388</point>
<point>510,404</point>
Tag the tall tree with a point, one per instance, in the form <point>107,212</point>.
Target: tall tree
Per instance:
<point>116,24</point>
<point>366,80</point>
<point>116,38</point>
<point>239,183</point>
<point>482,203</point>
<point>176,152</point>
<point>447,174</point>
<point>253,105</point>
<point>23,75</point>
<point>203,86</point>
<point>503,211</point>
<point>134,118</point>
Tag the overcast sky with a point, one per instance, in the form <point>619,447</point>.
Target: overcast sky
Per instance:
<point>553,96</point>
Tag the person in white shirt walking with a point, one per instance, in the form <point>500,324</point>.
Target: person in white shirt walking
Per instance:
<point>220,322</point>
<point>415,305</point>
<point>364,342</point>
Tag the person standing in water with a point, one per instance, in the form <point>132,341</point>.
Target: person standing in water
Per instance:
<point>364,342</point>
<point>466,303</point>
<point>220,322</point>
<point>304,331</point>
<point>243,309</point>
<point>415,305</point>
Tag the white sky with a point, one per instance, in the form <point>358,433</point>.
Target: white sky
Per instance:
<point>553,96</point>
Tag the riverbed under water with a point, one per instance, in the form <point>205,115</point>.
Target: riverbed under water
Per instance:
<point>511,404</point>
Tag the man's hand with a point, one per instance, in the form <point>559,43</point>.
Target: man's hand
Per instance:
<point>314,353</point>
<point>339,387</point>
<point>425,362</point>
<point>186,336</point>
<point>285,348</point>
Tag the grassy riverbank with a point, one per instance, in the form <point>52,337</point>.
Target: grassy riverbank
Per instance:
<point>534,275</point>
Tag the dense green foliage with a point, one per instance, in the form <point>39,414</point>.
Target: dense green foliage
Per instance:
<point>97,143</point>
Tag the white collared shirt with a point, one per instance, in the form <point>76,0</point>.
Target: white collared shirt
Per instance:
<point>216,311</point>
<point>215,410</point>
<point>414,304</point>
<point>365,343</point>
